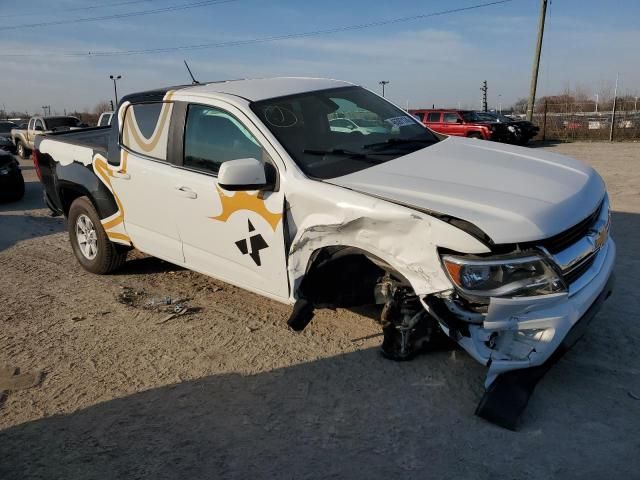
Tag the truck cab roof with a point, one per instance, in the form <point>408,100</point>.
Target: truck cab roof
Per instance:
<point>250,89</point>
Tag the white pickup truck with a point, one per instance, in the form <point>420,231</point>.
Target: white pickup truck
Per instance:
<point>503,249</point>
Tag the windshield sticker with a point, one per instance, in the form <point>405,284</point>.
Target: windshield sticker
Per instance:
<point>400,121</point>
<point>280,117</point>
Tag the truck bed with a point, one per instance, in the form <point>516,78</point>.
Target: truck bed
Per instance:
<point>96,138</point>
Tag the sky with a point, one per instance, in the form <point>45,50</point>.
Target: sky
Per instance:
<point>439,61</point>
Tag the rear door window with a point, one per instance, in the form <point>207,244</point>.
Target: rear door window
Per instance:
<point>450,118</point>
<point>433,117</point>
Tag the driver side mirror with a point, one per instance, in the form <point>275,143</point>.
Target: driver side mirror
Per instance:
<point>459,120</point>
<point>243,174</point>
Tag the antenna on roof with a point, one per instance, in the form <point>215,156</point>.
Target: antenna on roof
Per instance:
<point>193,80</point>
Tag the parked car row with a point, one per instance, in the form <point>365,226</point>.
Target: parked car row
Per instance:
<point>481,125</point>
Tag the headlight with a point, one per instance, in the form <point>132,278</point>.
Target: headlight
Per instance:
<point>511,128</point>
<point>509,277</point>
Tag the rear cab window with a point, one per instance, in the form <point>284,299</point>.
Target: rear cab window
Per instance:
<point>145,129</point>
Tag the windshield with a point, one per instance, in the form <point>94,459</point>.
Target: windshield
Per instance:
<point>330,133</point>
<point>5,127</point>
<point>485,116</point>
<point>58,122</point>
<point>475,117</point>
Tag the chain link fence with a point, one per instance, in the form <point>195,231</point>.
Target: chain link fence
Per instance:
<point>575,121</point>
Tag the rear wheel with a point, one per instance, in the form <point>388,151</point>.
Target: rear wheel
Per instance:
<point>91,246</point>
<point>23,151</point>
<point>475,135</point>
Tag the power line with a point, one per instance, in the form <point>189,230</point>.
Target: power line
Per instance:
<point>75,9</point>
<point>171,8</point>
<point>274,38</point>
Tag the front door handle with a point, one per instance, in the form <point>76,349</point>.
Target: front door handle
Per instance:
<point>122,175</point>
<point>186,192</point>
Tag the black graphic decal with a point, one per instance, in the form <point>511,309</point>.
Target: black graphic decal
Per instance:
<point>256,242</point>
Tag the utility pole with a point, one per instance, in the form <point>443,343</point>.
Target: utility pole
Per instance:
<point>46,108</point>
<point>635,105</point>
<point>536,61</point>
<point>383,83</point>
<point>115,78</point>
<point>613,113</point>
<point>597,99</point>
<point>484,95</point>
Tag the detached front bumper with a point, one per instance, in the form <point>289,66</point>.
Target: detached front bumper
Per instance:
<point>508,395</point>
<point>520,338</point>
<point>524,332</point>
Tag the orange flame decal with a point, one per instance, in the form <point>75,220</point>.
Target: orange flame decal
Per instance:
<point>244,201</point>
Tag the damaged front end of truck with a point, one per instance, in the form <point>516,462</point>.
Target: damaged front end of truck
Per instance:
<point>514,308</point>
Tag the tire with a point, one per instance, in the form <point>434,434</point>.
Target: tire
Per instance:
<point>475,135</point>
<point>22,151</point>
<point>97,254</point>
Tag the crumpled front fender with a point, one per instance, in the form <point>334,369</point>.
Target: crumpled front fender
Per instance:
<point>405,239</point>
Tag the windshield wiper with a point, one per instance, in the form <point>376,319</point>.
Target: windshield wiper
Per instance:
<point>335,151</point>
<point>399,141</point>
<point>348,153</point>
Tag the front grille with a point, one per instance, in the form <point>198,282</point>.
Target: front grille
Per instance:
<point>579,270</point>
<point>561,241</point>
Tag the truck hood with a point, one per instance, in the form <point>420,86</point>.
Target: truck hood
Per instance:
<point>513,194</point>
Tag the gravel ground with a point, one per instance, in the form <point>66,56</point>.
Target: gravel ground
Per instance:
<point>227,391</point>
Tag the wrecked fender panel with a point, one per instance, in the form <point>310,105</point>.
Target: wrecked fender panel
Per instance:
<point>407,240</point>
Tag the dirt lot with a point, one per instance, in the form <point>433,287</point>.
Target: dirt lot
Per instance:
<point>229,392</point>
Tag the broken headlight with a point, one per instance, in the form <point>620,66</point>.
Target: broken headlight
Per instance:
<point>479,279</point>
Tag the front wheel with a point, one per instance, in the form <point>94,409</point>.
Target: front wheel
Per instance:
<point>475,135</point>
<point>91,246</point>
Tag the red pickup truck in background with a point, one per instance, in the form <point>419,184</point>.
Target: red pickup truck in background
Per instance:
<point>461,123</point>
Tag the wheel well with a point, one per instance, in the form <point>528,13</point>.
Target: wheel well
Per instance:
<point>473,133</point>
<point>344,277</point>
<point>69,194</point>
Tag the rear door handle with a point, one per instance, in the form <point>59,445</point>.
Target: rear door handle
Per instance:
<point>122,175</point>
<point>186,192</point>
